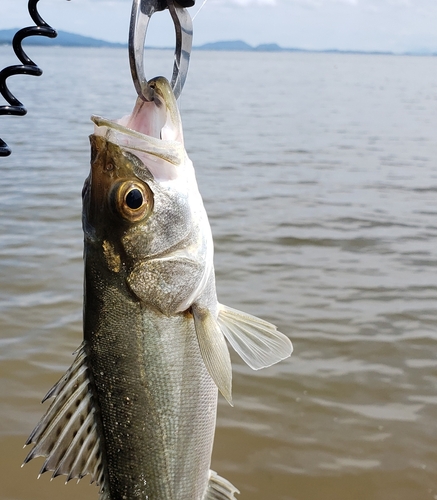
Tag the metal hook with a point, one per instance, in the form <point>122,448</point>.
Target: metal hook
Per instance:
<point>142,11</point>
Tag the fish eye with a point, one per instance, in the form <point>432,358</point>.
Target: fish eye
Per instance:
<point>133,200</point>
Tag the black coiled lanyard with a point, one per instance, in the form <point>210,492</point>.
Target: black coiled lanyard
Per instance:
<point>27,66</point>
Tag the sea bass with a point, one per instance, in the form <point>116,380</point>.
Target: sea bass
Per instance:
<point>137,408</point>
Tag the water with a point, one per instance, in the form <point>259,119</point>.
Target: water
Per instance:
<point>319,175</point>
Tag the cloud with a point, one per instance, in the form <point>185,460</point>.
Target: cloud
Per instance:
<point>399,25</point>
<point>417,4</point>
<point>245,3</point>
<point>305,3</point>
<point>420,5</point>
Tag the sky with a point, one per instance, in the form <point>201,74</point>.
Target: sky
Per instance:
<point>369,25</point>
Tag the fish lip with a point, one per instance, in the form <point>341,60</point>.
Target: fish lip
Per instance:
<point>171,151</point>
<point>153,128</point>
<point>164,98</point>
<point>99,121</point>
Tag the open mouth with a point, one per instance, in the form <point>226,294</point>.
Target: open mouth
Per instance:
<point>153,128</point>
<point>158,119</point>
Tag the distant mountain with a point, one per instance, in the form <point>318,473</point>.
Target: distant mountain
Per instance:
<point>270,47</point>
<point>230,45</point>
<point>64,39</point>
<point>72,40</point>
<point>239,45</point>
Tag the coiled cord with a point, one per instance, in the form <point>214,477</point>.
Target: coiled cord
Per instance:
<point>28,67</point>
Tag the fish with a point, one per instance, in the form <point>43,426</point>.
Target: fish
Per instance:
<point>137,408</point>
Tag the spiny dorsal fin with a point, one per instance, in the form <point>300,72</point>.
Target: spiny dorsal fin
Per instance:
<point>67,434</point>
<point>219,488</point>
<point>258,342</point>
<point>214,350</point>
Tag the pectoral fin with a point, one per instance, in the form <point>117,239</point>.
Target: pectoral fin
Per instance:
<point>257,342</point>
<point>67,434</point>
<point>214,351</point>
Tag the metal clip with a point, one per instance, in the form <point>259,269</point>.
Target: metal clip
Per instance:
<point>142,11</point>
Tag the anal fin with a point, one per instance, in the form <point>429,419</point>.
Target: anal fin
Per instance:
<point>219,488</point>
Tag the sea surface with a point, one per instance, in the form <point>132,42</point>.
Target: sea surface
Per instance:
<point>319,174</point>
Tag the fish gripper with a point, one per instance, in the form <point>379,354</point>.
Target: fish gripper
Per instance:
<point>27,66</point>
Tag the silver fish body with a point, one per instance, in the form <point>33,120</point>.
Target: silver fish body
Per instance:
<point>157,404</point>
<point>157,401</point>
<point>137,409</point>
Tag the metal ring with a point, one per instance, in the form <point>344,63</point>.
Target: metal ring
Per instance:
<point>142,11</point>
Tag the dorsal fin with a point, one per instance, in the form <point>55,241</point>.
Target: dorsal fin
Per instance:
<point>67,434</point>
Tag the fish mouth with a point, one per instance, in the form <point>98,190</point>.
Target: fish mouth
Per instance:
<point>153,128</point>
